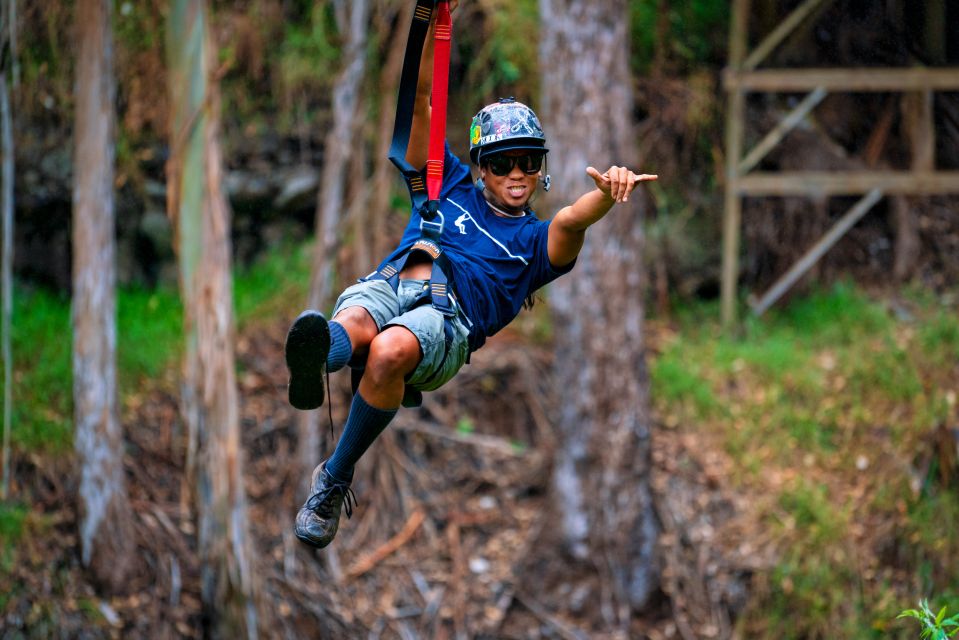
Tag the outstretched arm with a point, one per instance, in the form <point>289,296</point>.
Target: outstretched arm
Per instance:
<point>567,230</point>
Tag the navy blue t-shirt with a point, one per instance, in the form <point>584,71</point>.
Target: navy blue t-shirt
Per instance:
<point>496,261</point>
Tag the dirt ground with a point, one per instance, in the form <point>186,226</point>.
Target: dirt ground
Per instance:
<point>453,535</point>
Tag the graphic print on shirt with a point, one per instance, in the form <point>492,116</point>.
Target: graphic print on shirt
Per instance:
<point>461,225</point>
<point>459,222</point>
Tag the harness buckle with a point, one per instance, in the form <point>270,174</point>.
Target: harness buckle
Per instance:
<point>432,229</point>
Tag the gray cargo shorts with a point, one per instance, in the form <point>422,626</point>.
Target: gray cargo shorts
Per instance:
<point>390,308</point>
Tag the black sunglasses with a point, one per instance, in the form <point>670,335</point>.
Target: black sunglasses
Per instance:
<point>502,165</point>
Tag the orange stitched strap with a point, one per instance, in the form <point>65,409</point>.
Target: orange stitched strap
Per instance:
<point>422,13</point>
<point>444,32</point>
<point>417,184</point>
<point>427,246</point>
<point>434,168</point>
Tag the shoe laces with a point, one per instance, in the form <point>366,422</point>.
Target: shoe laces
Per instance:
<point>323,500</point>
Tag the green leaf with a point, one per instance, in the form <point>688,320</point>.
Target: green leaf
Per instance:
<point>940,615</point>
<point>465,426</point>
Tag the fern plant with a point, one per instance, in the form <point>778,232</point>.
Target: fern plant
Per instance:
<point>934,626</point>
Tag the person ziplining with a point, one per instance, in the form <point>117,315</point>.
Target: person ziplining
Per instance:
<point>471,256</point>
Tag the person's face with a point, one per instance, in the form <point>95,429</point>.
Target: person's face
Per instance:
<point>511,176</point>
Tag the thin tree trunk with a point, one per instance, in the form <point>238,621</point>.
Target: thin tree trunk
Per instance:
<point>384,173</point>
<point>601,477</point>
<point>210,399</point>
<point>353,20</point>
<point>106,527</point>
<point>6,275</point>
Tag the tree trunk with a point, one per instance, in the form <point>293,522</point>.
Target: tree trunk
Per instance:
<point>601,476</point>
<point>106,527</point>
<point>384,173</point>
<point>210,401</point>
<point>353,21</point>
<point>6,273</point>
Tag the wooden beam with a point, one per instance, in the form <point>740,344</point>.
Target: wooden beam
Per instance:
<point>823,183</point>
<point>735,122</point>
<point>780,33</point>
<point>846,79</point>
<point>781,130</point>
<point>920,129</point>
<point>812,256</point>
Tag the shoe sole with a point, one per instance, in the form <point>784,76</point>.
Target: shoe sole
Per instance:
<point>307,346</point>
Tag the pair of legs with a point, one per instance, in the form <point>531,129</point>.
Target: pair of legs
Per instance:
<point>401,341</point>
<point>391,355</point>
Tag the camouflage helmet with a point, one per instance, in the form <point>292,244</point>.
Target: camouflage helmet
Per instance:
<point>503,126</point>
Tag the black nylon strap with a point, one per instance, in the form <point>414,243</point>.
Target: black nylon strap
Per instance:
<point>406,101</point>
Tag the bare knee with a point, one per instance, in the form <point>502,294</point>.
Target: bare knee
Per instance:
<point>359,325</point>
<point>394,353</point>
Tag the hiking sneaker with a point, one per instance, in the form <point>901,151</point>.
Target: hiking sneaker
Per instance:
<point>307,345</point>
<point>317,522</point>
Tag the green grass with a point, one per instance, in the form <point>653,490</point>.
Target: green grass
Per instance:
<point>12,518</point>
<point>42,392</point>
<point>149,341</point>
<point>149,330</point>
<point>800,399</point>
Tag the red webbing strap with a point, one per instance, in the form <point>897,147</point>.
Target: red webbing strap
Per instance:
<point>441,76</point>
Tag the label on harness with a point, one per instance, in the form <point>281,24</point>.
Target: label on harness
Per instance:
<point>429,247</point>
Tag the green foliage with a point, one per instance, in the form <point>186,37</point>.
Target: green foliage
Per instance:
<point>939,338</point>
<point>149,334</point>
<point>808,507</point>
<point>676,380</point>
<point>42,391</point>
<point>502,58</point>
<point>839,314</point>
<point>12,518</point>
<point>814,403</point>
<point>465,426</point>
<point>309,51</point>
<point>934,626</point>
<point>276,284</point>
<point>690,33</point>
<point>149,341</point>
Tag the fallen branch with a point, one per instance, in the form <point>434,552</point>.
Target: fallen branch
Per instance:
<point>564,630</point>
<point>477,440</point>
<point>370,560</point>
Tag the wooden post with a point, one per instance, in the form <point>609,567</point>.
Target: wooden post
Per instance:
<point>810,258</point>
<point>781,130</point>
<point>735,113</point>
<point>785,28</point>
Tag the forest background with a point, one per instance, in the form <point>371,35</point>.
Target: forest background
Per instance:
<point>801,469</point>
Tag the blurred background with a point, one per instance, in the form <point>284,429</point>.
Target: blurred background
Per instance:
<point>660,448</point>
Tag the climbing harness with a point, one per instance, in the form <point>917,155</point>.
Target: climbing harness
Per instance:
<point>425,190</point>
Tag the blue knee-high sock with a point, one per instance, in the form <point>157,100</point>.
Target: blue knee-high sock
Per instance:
<point>363,425</point>
<point>341,349</point>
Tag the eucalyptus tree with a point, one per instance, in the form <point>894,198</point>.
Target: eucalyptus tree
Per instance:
<point>601,477</point>
<point>209,397</point>
<point>8,43</point>
<point>106,527</point>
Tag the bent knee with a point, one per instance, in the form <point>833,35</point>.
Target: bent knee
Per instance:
<point>394,352</point>
<point>359,324</point>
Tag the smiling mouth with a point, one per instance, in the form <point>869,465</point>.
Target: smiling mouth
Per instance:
<point>516,191</point>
